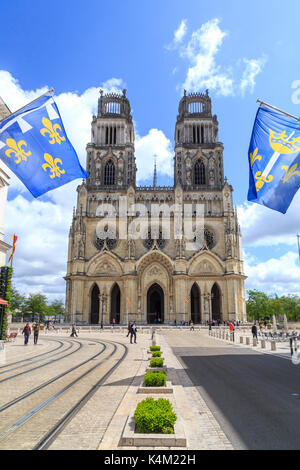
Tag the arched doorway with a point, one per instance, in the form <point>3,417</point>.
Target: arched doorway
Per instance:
<point>115,304</point>
<point>95,305</point>
<point>195,304</point>
<point>216,305</point>
<point>155,304</point>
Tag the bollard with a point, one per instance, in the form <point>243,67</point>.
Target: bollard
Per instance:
<point>254,342</point>
<point>263,343</point>
<point>248,341</point>
<point>241,339</point>
<point>273,345</point>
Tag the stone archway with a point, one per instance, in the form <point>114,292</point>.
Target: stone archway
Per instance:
<point>155,304</point>
<point>95,305</point>
<point>195,304</point>
<point>216,304</point>
<point>115,304</point>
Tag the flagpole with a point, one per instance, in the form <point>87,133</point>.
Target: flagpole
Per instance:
<point>277,109</point>
<point>28,104</point>
<point>298,237</point>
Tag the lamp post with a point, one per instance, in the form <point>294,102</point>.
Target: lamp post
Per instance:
<point>102,297</point>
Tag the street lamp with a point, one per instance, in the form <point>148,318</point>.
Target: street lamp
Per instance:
<point>102,297</point>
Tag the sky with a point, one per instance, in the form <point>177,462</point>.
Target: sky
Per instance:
<point>155,50</point>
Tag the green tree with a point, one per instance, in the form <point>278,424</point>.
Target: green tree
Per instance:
<point>36,304</point>
<point>257,305</point>
<point>17,302</point>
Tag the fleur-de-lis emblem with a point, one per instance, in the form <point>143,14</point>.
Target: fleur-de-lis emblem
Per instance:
<point>17,150</point>
<point>254,156</point>
<point>53,165</point>
<point>289,172</point>
<point>52,130</point>
<point>262,180</point>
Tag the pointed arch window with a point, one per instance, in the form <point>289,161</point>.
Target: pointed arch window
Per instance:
<point>109,173</point>
<point>199,173</point>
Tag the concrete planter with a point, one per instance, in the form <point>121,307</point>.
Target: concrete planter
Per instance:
<point>132,438</point>
<point>155,390</point>
<point>153,369</point>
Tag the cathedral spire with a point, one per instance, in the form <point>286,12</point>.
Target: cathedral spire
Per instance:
<point>154,173</point>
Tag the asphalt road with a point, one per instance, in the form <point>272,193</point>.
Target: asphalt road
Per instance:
<point>255,397</point>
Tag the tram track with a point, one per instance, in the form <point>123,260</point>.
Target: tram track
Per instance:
<point>43,385</point>
<point>71,344</point>
<point>44,442</point>
<point>34,357</point>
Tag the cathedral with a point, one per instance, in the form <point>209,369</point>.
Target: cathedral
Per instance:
<point>155,254</point>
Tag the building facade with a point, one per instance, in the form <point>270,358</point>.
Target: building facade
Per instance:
<point>4,182</point>
<point>155,254</point>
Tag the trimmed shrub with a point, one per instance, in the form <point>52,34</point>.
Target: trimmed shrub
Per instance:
<point>154,348</point>
<point>155,379</point>
<point>156,354</point>
<point>157,362</point>
<point>155,416</point>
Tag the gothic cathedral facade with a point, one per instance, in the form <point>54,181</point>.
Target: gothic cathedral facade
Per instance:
<point>113,275</point>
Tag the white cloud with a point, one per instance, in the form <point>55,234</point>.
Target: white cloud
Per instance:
<point>179,34</point>
<point>252,69</point>
<point>154,143</point>
<point>201,51</point>
<point>203,70</point>
<point>279,276</point>
<point>265,227</point>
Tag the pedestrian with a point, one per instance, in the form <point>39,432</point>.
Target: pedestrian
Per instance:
<point>27,332</point>
<point>254,331</point>
<point>231,328</point>
<point>114,322</point>
<point>192,326</point>
<point>129,329</point>
<point>133,332</point>
<point>74,332</point>
<point>36,330</point>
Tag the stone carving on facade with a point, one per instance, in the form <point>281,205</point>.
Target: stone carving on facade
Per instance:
<point>106,268</point>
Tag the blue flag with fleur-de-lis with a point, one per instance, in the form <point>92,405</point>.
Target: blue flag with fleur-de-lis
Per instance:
<point>274,159</point>
<point>35,146</point>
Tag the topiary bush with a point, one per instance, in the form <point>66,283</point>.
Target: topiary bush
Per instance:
<point>156,353</point>
<point>154,348</point>
<point>157,362</point>
<point>155,379</point>
<point>155,416</point>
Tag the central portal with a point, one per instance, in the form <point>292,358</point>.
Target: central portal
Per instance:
<point>155,304</point>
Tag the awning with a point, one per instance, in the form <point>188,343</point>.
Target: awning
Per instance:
<point>3,302</point>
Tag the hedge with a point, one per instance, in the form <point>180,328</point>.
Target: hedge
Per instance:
<point>155,379</point>
<point>154,348</point>
<point>156,354</point>
<point>156,362</point>
<point>155,416</point>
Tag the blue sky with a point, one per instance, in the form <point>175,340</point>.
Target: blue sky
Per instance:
<point>155,49</point>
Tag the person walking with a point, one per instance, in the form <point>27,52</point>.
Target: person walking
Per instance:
<point>133,332</point>
<point>129,329</point>
<point>74,332</point>
<point>254,331</point>
<point>27,332</point>
<point>36,330</point>
<point>231,328</point>
<point>192,326</point>
<point>114,322</point>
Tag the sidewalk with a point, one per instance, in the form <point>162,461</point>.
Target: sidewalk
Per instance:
<point>282,348</point>
<point>201,428</point>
